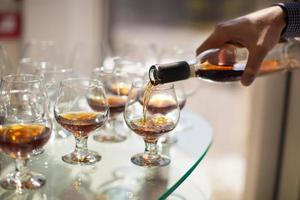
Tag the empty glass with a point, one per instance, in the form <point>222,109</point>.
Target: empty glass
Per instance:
<point>133,68</point>
<point>37,55</point>
<point>5,63</point>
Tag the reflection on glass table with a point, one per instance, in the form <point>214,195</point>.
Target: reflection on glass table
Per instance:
<point>115,177</point>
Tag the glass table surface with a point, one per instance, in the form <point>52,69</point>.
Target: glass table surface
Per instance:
<point>115,177</point>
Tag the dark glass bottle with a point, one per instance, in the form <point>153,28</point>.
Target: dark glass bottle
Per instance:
<point>219,65</point>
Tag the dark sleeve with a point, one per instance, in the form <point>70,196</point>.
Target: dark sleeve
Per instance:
<point>292,14</point>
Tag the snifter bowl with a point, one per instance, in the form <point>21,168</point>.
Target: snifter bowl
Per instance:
<point>151,111</point>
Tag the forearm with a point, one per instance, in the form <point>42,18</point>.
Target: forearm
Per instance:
<point>292,17</point>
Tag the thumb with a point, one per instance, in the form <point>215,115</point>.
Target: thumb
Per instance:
<point>252,67</point>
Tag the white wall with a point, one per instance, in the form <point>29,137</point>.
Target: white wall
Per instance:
<point>11,45</point>
<point>289,187</point>
<point>69,23</point>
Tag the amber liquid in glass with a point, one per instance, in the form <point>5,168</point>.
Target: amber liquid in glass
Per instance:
<point>116,104</point>
<point>152,127</point>
<point>120,89</point>
<point>21,139</point>
<point>226,73</point>
<point>161,104</point>
<point>80,124</point>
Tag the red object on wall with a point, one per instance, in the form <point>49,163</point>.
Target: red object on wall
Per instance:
<point>10,25</point>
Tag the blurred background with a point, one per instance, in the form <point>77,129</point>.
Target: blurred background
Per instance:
<point>250,124</point>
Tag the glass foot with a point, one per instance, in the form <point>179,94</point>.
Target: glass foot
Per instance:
<point>107,138</point>
<point>37,152</point>
<point>88,158</point>
<point>145,160</point>
<point>32,181</point>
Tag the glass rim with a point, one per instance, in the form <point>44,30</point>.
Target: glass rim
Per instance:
<point>88,80</point>
<point>12,78</point>
<point>108,72</point>
<point>155,88</point>
<point>163,87</point>
<point>65,69</point>
<point>121,61</point>
<point>100,71</point>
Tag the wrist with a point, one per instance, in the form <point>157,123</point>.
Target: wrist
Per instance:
<point>291,12</point>
<point>280,18</point>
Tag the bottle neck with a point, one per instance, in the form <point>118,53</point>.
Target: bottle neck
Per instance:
<point>165,73</point>
<point>153,75</point>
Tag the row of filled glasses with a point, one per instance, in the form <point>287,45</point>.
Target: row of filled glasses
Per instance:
<point>80,106</point>
<point>129,56</point>
<point>116,82</point>
<point>41,58</point>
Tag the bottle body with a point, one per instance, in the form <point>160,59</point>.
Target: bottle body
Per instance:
<point>229,73</point>
<point>219,65</point>
<point>164,73</point>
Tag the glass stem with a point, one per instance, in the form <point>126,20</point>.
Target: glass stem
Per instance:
<point>81,146</point>
<point>151,150</point>
<point>108,124</point>
<point>21,173</point>
<point>113,125</point>
<point>20,167</point>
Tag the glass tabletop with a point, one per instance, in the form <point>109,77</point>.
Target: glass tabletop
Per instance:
<point>115,177</point>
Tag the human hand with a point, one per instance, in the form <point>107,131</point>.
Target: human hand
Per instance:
<point>259,32</point>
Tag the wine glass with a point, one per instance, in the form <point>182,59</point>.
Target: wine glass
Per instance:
<point>5,62</point>
<point>106,55</point>
<point>151,112</point>
<point>90,54</point>
<point>26,127</point>
<point>73,112</point>
<point>37,54</point>
<point>131,67</point>
<point>117,87</point>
